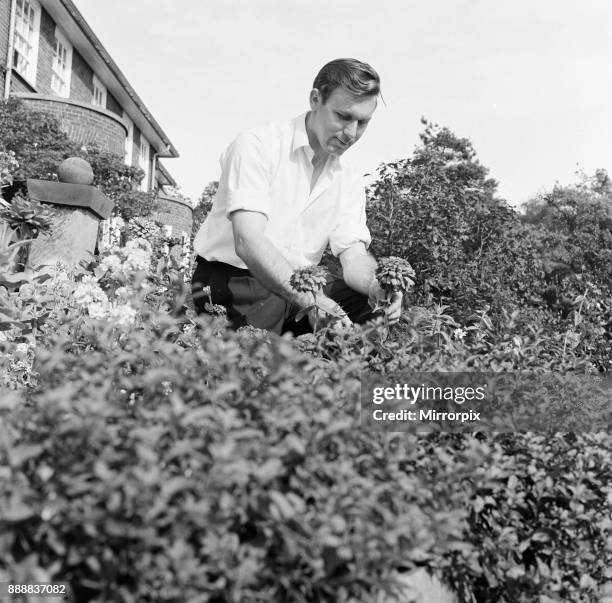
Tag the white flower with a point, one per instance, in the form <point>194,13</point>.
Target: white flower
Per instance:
<point>123,293</point>
<point>139,243</point>
<point>88,291</point>
<point>26,291</point>
<point>137,259</point>
<point>459,334</point>
<point>21,349</point>
<point>98,310</point>
<point>123,315</point>
<point>111,263</point>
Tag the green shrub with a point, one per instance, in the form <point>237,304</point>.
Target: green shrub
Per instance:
<point>473,253</point>
<point>39,145</point>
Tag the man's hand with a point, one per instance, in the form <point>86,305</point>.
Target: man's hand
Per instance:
<point>326,311</point>
<point>392,305</point>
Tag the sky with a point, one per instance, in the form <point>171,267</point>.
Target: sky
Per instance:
<point>529,82</point>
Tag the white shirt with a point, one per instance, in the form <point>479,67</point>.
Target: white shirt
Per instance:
<point>269,170</point>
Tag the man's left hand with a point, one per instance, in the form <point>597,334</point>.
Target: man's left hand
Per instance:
<point>392,305</point>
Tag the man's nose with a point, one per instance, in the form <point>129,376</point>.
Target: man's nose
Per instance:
<point>351,130</point>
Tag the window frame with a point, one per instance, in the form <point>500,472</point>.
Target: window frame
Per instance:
<point>129,140</point>
<point>144,162</point>
<point>97,84</point>
<point>31,69</point>
<point>61,39</point>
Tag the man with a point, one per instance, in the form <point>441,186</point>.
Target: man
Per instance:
<point>285,193</point>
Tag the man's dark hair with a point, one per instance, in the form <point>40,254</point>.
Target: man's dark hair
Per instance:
<point>355,76</point>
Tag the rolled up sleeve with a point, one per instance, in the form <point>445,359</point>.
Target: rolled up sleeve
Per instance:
<point>350,225</point>
<point>245,176</point>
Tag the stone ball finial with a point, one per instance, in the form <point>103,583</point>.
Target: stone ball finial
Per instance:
<point>75,170</point>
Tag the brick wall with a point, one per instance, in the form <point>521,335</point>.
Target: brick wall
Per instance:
<point>81,79</point>
<point>84,123</point>
<point>175,213</point>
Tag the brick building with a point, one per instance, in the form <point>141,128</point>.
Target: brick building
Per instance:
<point>52,60</point>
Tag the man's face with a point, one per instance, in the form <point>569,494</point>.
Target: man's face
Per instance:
<point>340,122</point>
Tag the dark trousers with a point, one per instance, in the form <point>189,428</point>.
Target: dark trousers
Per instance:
<point>248,302</point>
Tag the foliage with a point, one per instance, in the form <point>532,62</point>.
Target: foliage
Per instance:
<point>35,138</point>
<point>8,166</point>
<point>27,217</point>
<point>472,252</point>
<point>38,144</point>
<point>204,205</point>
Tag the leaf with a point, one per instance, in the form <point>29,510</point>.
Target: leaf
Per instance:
<point>303,312</point>
<point>282,504</point>
<point>268,471</point>
<point>20,454</point>
<point>17,511</point>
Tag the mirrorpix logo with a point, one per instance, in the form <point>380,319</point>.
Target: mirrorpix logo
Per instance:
<point>404,394</point>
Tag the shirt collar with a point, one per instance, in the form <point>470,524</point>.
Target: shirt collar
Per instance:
<point>300,140</point>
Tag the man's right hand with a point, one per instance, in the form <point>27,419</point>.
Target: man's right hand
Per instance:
<point>327,311</point>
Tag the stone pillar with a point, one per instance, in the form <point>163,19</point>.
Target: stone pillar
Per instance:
<point>78,206</point>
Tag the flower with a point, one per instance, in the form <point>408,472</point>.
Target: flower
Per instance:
<point>123,293</point>
<point>123,315</point>
<point>98,310</point>
<point>139,243</point>
<point>215,309</point>
<point>459,334</point>
<point>111,263</point>
<point>88,291</point>
<point>21,349</point>
<point>137,259</point>
<point>310,279</point>
<point>395,274</point>
<point>27,291</point>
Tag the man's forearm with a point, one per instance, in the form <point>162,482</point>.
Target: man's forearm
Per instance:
<point>270,268</point>
<point>358,272</point>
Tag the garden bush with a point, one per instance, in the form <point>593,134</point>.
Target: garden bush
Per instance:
<point>152,457</point>
<point>474,253</point>
<point>38,145</point>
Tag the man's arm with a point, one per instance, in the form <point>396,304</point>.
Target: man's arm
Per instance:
<point>267,264</point>
<point>359,273</point>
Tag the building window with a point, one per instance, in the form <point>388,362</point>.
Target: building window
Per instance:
<point>99,93</point>
<point>25,41</point>
<point>62,65</point>
<point>143,162</point>
<point>129,139</point>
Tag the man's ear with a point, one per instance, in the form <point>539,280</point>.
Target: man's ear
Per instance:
<point>315,99</point>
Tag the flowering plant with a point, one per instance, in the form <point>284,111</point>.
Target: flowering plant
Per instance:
<point>395,274</point>
<point>310,279</point>
<point>8,166</point>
